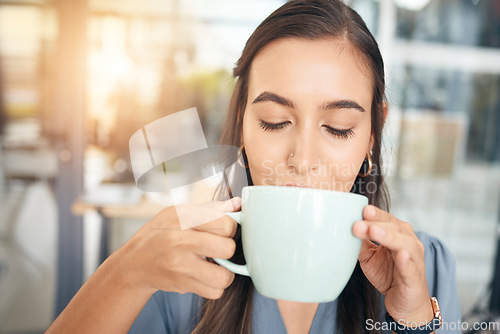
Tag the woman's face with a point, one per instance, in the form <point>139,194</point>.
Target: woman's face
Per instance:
<point>311,99</point>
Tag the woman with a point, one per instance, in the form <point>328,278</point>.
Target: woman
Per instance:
<point>308,110</point>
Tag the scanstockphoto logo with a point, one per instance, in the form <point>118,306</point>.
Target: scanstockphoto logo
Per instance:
<point>487,326</point>
<point>171,155</point>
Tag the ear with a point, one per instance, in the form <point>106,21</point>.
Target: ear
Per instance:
<point>385,109</point>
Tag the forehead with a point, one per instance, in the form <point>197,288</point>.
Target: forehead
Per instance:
<point>321,66</point>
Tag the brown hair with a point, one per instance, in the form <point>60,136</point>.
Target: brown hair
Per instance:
<point>309,19</point>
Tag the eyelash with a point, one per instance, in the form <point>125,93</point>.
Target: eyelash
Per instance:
<point>342,134</point>
<point>273,126</point>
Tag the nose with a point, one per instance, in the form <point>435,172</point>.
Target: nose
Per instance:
<point>306,151</point>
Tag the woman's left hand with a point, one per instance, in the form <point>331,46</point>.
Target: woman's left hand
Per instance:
<point>396,267</point>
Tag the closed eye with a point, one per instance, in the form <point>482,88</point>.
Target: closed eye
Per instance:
<point>342,134</point>
<point>273,126</point>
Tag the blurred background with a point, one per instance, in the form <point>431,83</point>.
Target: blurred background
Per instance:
<point>79,77</point>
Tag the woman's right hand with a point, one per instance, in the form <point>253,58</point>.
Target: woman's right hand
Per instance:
<point>162,256</point>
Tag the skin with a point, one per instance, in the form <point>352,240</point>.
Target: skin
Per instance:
<point>291,80</point>
<point>159,256</point>
<point>304,74</point>
<point>162,256</point>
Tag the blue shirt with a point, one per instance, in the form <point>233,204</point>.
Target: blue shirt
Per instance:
<point>172,313</point>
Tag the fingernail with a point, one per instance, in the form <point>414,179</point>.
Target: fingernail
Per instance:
<point>371,211</point>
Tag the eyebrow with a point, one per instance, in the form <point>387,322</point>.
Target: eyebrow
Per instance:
<point>338,104</point>
<point>267,96</point>
<point>341,104</point>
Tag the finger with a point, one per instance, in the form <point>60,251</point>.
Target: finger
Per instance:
<point>193,215</point>
<point>360,230</point>
<point>193,285</point>
<point>211,245</point>
<point>397,225</point>
<point>218,222</point>
<point>407,251</point>
<point>212,274</point>
<point>223,226</point>
<point>372,213</point>
<point>231,205</point>
<point>391,236</point>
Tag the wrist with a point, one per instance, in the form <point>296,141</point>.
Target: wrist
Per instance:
<point>416,326</point>
<point>125,276</point>
<point>417,319</point>
<point>413,313</point>
<point>107,286</point>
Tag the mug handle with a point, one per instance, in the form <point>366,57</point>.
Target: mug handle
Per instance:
<point>235,268</point>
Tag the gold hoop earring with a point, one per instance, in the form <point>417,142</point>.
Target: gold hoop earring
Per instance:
<point>240,155</point>
<point>369,158</point>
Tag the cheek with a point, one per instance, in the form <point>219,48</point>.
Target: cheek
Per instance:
<point>263,155</point>
<point>267,154</point>
<point>343,166</point>
<point>344,159</point>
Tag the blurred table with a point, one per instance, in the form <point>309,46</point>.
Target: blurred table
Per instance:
<point>144,208</point>
<point>115,201</point>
